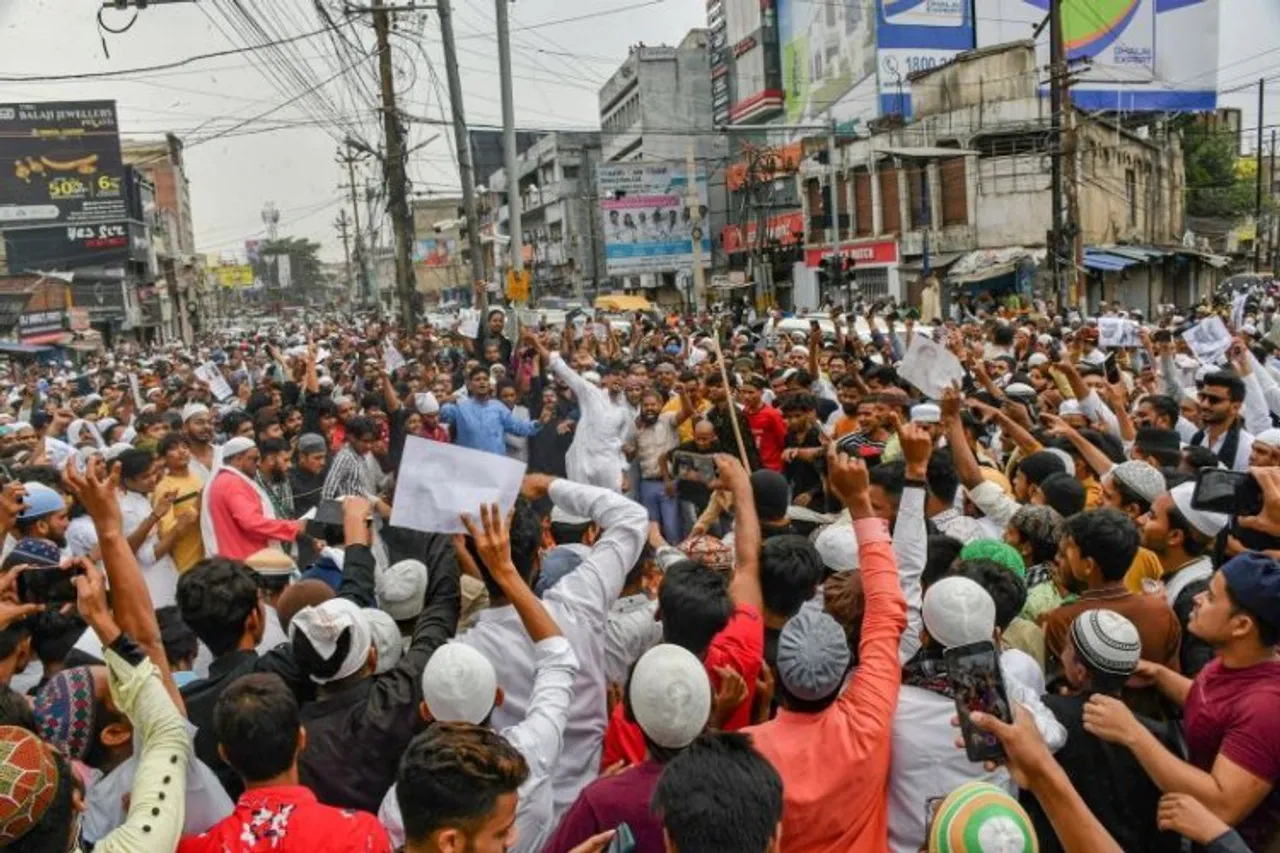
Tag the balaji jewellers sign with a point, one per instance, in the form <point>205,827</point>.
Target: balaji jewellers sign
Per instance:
<point>60,163</point>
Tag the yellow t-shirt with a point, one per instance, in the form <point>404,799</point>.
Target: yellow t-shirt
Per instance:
<point>686,429</point>
<point>1145,565</point>
<point>189,549</point>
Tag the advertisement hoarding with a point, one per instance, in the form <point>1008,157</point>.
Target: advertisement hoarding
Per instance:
<point>235,275</point>
<point>828,53</point>
<point>648,226</point>
<point>72,246</point>
<point>916,35</point>
<point>60,164</point>
<point>1146,54</point>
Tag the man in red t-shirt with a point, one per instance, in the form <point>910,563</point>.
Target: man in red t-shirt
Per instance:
<point>1229,711</point>
<point>260,734</point>
<point>768,427</point>
<point>718,620</point>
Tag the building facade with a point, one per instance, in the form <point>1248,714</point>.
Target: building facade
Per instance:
<point>965,188</point>
<point>661,106</point>
<point>441,261</point>
<point>173,306</point>
<point>559,213</point>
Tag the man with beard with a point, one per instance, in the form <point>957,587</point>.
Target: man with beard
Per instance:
<point>720,414</point>
<point>197,425</point>
<point>848,393</point>
<point>868,441</point>
<point>655,437</point>
<point>40,529</point>
<point>237,518</point>
<point>1221,397</point>
<point>306,477</point>
<point>1182,537</point>
<point>768,428</point>
<point>803,459</point>
<point>479,421</point>
<point>273,476</point>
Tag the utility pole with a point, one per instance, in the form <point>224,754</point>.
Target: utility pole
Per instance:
<point>348,157</point>
<point>509,135</point>
<point>397,176</point>
<point>1257,191</point>
<point>1271,195</point>
<point>694,200</point>
<point>1057,77</point>
<point>343,226</point>
<point>833,218</point>
<point>461,141</point>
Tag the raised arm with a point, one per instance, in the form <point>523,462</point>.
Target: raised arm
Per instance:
<point>592,588</point>
<point>733,478</point>
<point>869,700</point>
<point>132,608</point>
<point>962,455</point>
<point>1098,461</point>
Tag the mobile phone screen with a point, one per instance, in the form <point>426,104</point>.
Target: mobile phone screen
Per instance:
<point>974,673</point>
<point>46,585</point>
<point>1226,492</point>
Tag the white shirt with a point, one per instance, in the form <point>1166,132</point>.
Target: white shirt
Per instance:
<point>205,806</point>
<point>197,467</point>
<point>580,604</point>
<point>1243,448</point>
<point>927,763</point>
<point>630,632</point>
<point>595,456</point>
<point>160,574</point>
<point>539,738</point>
<point>82,536</point>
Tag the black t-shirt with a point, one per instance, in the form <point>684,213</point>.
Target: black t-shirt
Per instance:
<point>804,476</point>
<point>1111,782</point>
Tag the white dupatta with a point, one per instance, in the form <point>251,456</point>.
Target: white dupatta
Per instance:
<point>206,519</point>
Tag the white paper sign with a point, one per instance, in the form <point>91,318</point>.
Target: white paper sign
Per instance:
<point>209,374</point>
<point>1116,332</point>
<point>930,367</point>
<point>439,482</point>
<point>468,322</point>
<point>136,390</point>
<point>529,319</point>
<point>392,359</point>
<point>1208,339</point>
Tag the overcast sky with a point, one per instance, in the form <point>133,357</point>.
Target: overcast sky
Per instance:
<point>287,157</point>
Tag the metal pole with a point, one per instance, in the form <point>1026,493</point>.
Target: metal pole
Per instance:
<point>1257,191</point>
<point>833,215</point>
<point>461,141</point>
<point>509,134</point>
<point>695,208</point>
<point>1271,194</point>
<point>1057,76</point>
<point>397,175</point>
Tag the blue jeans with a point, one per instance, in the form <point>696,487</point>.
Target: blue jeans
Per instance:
<point>662,508</point>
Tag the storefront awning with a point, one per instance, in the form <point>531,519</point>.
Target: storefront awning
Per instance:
<point>938,261</point>
<point>1107,262</point>
<point>22,349</point>
<point>622,302</point>
<point>985,273</point>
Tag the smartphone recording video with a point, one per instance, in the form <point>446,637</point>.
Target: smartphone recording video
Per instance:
<point>1226,492</point>
<point>974,672</point>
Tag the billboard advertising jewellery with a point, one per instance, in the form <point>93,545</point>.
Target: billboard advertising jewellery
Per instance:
<point>60,164</point>
<point>648,224</point>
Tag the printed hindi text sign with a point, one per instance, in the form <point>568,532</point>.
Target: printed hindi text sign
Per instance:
<point>438,483</point>
<point>209,374</point>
